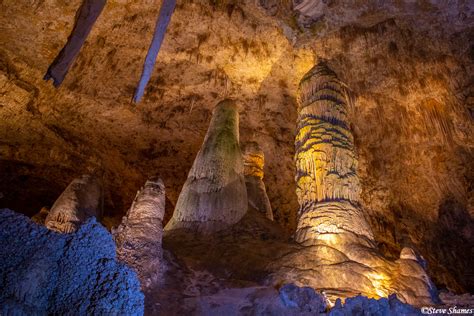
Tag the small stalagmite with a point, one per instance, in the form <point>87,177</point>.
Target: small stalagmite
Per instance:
<point>79,201</point>
<point>214,195</point>
<point>139,236</point>
<point>254,161</point>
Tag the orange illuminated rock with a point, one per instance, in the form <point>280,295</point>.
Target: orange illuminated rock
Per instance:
<point>340,256</point>
<point>40,217</point>
<point>326,163</point>
<point>254,161</point>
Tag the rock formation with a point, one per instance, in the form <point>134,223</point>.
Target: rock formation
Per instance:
<point>79,201</point>
<point>86,17</point>
<point>138,237</point>
<point>390,306</point>
<point>214,195</point>
<point>341,256</point>
<point>254,161</point>
<point>164,17</point>
<point>46,273</point>
<point>40,217</point>
<point>409,64</point>
<point>326,163</point>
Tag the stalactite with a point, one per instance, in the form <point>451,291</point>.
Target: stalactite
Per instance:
<point>79,201</point>
<point>214,195</point>
<point>164,17</point>
<point>87,15</point>
<point>253,170</point>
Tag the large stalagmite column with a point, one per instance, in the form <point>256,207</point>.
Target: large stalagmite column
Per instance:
<point>340,256</point>
<point>79,201</point>
<point>254,161</point>
<point>214,195</point>
<point>139,236</point>
<point>326,164</point>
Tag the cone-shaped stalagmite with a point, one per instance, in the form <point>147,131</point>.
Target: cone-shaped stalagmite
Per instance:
<point>214,195</point>
<point>79,201</point>
<point>327,182</point>
<point>139,236</point>
<point>254,160</point>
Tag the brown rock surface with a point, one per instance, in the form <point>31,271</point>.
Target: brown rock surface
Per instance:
<point>409,65</point>
<point>214,196</point>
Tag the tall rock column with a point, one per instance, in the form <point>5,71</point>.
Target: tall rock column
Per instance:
<point>214,195</point>
<point>340,255</point>
<point>79,201</point>
<point>254,161</point>
<point>139,236</point>
<point>326,163</point>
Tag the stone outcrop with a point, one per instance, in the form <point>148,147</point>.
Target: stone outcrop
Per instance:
<point>139,236</point>
<point>46,273</point>
<point>390,306</point>
<point>164,17</point>
<point>214,196</point>
<point>340,256</point>
<point>254,161</point>
<point>79,201</point>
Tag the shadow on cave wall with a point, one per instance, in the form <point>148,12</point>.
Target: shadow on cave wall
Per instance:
<point>447,243</point>
<point>26,189</point>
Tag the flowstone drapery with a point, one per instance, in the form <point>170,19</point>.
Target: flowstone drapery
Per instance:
<point>214,195</point>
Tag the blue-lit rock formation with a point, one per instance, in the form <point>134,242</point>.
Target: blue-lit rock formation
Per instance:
<point>87,15</point>
<point>46,273</point>
<point>361,305</point>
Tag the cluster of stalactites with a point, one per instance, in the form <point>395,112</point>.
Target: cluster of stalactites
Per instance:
<point>254,161</point>
<point>214,196</point>
<point>325,158</point>
<point>79,201</point>
<point>139,236</point>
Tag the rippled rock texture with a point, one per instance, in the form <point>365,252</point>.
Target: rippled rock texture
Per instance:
<point>43,272</point>
<point>139,236</point>
<point>214,196</point>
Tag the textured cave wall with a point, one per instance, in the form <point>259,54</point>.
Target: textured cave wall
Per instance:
<point>409,66</point>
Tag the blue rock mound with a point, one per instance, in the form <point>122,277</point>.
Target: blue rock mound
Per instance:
<point>45,273</point>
